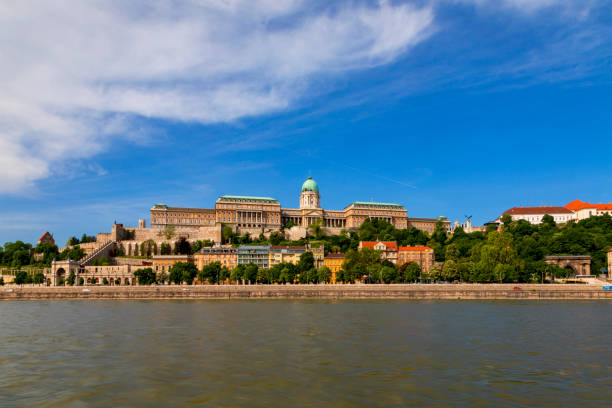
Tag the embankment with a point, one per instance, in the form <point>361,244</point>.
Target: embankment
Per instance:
<point>400,291</point>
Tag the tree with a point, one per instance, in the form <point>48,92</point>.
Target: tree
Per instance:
<point>324,274</point>
<point>182,247</point>
<point>449,270</point>
<point>72,241</point>
<point>71,278</point>
<point>316,229</point>
<point>306,262</point>
<point>165,249</point>
<point>145,276</point>
<point>87,238</point>
<point>183,272</point>
<point>105,281</point>
<point>237,273</point>
<point>81,281</point>
<point>389,274</point>
<point>161,278</point>
<point>49,252</point>
<point>20,277</point>
<point>276,237</point>
<point>210,272</point>
<point>167,232</point>
<point>38,278</point>
<point>410,272</point>
<point>148,248</point>
<point>250,272</point>
<point>75,253</point>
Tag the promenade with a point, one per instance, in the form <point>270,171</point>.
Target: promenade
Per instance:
<point>393,291</point>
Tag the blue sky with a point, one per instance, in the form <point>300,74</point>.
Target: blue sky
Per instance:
<point>449,107</point>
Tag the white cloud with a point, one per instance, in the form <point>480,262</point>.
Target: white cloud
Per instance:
<point>74,72</point>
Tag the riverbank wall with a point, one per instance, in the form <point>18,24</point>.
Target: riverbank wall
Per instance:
<point>394,291</point>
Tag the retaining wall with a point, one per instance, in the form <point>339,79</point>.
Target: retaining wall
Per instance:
<point>493,291</point>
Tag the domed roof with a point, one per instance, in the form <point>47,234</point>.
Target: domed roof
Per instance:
<point>310,185</point>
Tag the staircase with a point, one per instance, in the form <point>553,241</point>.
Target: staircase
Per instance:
<point>98,253</point>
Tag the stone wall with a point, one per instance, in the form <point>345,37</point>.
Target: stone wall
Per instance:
<point>415,292</point>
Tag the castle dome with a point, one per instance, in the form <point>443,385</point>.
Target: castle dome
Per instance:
<point>310,185</point>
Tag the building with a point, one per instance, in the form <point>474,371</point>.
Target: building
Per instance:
<point>422,255</point>
<point>46,238</point>
<point>575,210</point>
<point>610,263</point>
<point>428,225</point>
<point>257,254</point>
<point>584,210</point>
<point>334,264</point>
<point>226,256</point>
<point>257,215</point>
<point>163,263</point>
<point>285,254</point>
<point>388,249</point>
<point>534,215</point>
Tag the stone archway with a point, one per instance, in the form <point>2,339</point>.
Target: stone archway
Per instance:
<point>579,264</point>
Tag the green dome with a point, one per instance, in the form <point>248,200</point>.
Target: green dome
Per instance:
<point>310,185</point>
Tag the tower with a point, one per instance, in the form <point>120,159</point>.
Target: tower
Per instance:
<point>309,197</point>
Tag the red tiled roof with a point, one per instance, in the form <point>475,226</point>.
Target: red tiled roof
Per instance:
<point>43,235</point>
<point>579,205</point>
<point>391,245</point>
<point>417,248</point>
<point>538,210</point>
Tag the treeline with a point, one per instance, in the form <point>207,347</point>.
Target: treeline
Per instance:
<point>17,254</point>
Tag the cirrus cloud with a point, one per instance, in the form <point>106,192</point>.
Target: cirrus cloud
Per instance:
<point>72,67</point>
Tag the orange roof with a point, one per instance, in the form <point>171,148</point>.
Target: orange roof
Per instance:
<point>416,248</point>
<point>538,210</point>
<point>391,245</point>
<point>43,235</point>
<point>579,205</point>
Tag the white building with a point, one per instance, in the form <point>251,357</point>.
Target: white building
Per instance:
<point>534,215</point>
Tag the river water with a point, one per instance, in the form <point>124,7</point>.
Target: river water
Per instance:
<point>305,353</point>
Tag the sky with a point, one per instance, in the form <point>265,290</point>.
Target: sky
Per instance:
<point>448,107</point>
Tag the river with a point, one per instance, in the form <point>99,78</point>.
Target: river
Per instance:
<point>305,353</point>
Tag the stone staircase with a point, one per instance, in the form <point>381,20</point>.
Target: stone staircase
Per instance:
<point>103,251</point>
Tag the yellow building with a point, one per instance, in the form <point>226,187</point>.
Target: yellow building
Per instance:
<point>291,254</point>
<point>285,254</point>
<point>163,263</point>
<point>423,256</point>
<point>334,264</point>
<point>226,256</point>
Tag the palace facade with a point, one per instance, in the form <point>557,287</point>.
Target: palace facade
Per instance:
<point>265,214</point>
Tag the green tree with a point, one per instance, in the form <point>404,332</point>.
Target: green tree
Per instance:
<point>20,277</point>
<point>210,272</point>
<point>165,249</point>
<point>145,276</point>
<point>277,237</point>
<point>38,278</point>
<point>49,252</point>
<point>237,273</point>
<point>161,278</point>
<point>81,281</point>
<point>389,274</point>
<point>250,272</point>
<point>182,272</point>
<point>71,278</point>
<point>449,270</point>
<point>72,241</point>
<point>105,281</point>
<point>324,274</point>
<point>306,262</point>
<point>410,272</point>
<point>148,248</point>
<point>182,247</point>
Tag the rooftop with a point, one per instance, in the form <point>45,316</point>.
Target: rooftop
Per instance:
<point>237,198</point>
<point>579,205</point>
<point>538,210</point>
<point>416,248</point>
<point>366,204</point>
